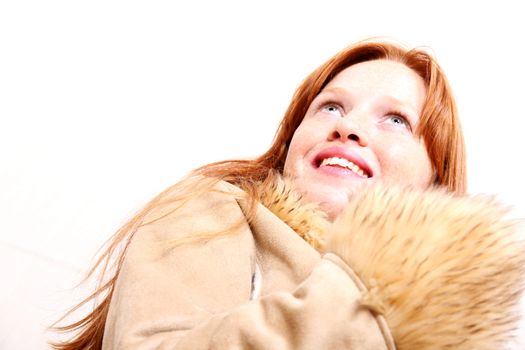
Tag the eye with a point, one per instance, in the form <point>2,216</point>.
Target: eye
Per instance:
<point>398,120</point>
<point>332,108</point>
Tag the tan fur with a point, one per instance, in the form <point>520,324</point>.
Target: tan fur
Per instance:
<point>307,220</point>
<point>445,271</point>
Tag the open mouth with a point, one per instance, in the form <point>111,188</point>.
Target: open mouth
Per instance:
<point>341,158</point>
<point>344,163</point>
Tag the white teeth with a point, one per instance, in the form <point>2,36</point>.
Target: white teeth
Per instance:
<point>345,164</point>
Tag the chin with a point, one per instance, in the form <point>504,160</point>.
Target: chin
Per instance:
<point>331,202</point>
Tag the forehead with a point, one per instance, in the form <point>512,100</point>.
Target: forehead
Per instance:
<point>382,78</point>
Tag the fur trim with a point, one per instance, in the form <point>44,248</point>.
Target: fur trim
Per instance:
<point>445,271</point>
<point>278,195</point>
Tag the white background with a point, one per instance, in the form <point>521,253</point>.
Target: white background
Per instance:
<point>105,103</point>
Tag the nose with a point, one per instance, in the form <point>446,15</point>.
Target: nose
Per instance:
<point>347,130</point>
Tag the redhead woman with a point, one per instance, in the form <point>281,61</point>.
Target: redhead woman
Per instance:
<point>353,231</point>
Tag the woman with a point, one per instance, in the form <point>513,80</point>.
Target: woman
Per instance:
<point>334,238</point>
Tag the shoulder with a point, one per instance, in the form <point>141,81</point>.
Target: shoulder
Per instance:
<point>195,207</point>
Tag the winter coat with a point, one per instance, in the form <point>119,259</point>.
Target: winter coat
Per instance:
<point>398,269</point>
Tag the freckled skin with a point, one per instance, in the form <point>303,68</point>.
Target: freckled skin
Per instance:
<point>373,108</point>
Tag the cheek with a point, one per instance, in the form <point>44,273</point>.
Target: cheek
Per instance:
<point>302,142</point>
<point>406,163</point>
<point>294,152</point>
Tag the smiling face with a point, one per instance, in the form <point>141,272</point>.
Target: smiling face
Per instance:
<point>360,129</point>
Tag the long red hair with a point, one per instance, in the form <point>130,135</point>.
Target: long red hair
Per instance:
<point>439,127</point>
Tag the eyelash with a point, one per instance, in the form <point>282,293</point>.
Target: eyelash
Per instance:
<point>401,116</point>
<point>390,114</point>
<point>327,104</point>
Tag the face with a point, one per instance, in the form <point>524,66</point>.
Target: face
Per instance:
<point>360,129</point>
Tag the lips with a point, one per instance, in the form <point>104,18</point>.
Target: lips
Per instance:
<point>343,158</point>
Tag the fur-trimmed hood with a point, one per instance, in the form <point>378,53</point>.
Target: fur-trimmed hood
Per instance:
<point>445,271</point>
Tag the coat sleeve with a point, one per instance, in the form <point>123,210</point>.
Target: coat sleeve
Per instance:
<point>172,293</point>
<point>447,272</point>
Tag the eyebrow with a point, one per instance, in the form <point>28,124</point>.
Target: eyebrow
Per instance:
<point>336,90</point>
<point>389,99</point>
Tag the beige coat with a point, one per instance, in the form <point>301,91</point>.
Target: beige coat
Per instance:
<point>263,286</point>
